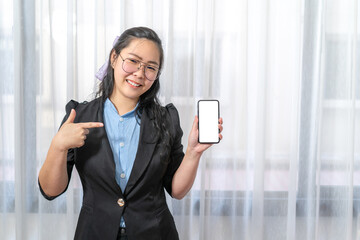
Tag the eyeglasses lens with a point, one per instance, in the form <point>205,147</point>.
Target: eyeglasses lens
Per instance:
<point>130,66</point>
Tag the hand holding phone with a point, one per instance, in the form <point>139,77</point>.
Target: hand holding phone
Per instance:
<point>208,114</point>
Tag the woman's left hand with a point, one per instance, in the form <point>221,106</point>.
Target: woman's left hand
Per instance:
<point>193,143</point>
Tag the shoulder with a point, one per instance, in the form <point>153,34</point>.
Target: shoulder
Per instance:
<point>173,116</point>
<point>172,111</point>
<point>73,104</point>
<point>84,109</point>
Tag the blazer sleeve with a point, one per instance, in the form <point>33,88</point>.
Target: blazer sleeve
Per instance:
<point>71,152</point>
<point>177,153</point>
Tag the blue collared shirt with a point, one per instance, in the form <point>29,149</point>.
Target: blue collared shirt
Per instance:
<point>123,133</point>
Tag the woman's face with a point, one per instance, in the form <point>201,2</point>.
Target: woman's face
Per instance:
<point>132,85</point>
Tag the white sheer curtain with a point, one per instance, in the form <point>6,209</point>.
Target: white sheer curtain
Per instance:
<point>287,74</point>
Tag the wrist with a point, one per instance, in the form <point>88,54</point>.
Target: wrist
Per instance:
<point>57,146</point>
<point>191,152</point>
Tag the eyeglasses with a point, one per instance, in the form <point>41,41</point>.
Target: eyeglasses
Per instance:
<point>131,65</point>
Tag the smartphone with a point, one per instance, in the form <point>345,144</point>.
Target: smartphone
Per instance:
<point>208,114</point>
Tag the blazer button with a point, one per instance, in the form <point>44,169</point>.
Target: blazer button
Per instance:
<point>121,202</point>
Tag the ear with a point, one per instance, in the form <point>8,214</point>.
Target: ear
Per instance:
<point>113,58</point>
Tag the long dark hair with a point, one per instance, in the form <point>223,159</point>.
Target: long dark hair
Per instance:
<point>149,100</point>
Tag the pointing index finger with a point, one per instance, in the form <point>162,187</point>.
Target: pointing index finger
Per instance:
<point>91,124</point>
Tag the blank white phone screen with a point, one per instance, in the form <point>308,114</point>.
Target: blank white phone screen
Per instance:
<point>208,113</point>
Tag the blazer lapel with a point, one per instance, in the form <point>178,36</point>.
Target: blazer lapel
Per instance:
<point>109,163</point>
<point>147,144</point>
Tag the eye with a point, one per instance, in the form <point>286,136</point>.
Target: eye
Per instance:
<point>152,68</point>
<point>133,61</point>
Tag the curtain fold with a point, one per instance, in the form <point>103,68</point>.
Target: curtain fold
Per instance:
<point>287,77</point>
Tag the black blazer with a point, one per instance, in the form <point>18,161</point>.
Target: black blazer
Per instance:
<point>143,203</point>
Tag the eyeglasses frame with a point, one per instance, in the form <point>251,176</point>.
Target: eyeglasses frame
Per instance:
<point>140,65</point>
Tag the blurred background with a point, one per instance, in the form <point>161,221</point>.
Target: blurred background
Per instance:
<point>286,73</point>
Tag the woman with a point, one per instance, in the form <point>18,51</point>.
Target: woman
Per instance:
<point>126,147</point>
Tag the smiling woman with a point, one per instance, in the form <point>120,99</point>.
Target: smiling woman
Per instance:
<point>126,147</point>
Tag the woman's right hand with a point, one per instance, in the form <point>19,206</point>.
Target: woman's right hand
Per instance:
<point>73,135</point>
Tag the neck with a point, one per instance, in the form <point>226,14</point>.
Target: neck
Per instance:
<point>124,105</point>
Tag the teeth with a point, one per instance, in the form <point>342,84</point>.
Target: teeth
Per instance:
<point>134,84</point>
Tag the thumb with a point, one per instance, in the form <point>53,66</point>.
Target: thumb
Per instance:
<point>195,123</point>
<point>71,117</point>
<point>194,127</point>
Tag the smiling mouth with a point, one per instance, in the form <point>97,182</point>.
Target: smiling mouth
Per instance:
<point>133,83</point>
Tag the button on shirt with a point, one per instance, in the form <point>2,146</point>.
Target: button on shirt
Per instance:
<point>123,134</point>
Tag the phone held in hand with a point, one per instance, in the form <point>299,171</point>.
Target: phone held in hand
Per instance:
<point>208,114</point>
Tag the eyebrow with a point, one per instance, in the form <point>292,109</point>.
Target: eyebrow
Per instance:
<point>135,55</point>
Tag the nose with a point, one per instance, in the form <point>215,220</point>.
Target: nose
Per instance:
<point>140,71</point>
<point>141,65</point>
